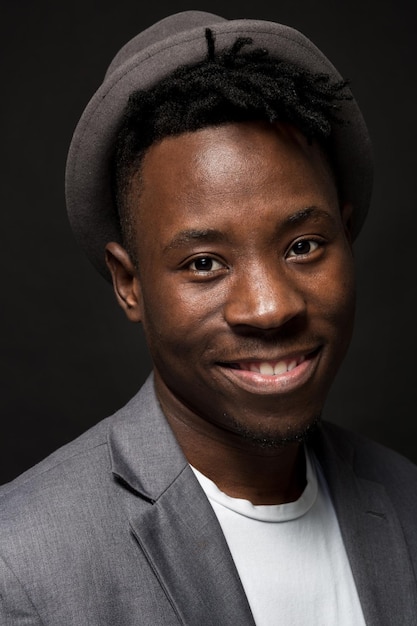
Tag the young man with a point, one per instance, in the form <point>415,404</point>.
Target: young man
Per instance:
<point>218,178</point>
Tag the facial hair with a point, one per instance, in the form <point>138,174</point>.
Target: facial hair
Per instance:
<point>264,439</point>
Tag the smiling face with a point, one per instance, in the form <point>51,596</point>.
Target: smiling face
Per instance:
<point>245,285</point>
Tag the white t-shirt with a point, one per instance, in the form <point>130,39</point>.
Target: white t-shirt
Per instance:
<point>290,557</point>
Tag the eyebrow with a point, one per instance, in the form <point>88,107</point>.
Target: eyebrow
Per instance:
<point>307,213</point>
<point>185,237</point>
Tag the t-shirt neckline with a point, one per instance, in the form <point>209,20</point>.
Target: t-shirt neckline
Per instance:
<point>266,512</point>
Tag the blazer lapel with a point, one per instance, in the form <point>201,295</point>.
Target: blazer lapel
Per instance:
<point>173,522</point>
<point>181,538</point>
<point>373,538</point>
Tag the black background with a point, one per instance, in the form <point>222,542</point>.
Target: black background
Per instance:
<point>68,357</point>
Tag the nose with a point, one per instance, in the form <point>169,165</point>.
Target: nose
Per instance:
<point>264,298</point>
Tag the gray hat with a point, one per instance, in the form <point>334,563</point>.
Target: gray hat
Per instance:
<point>149,57</point>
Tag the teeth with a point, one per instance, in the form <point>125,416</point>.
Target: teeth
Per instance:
<point>273,368</point>
<point>280,367</point>
<point>292,365</point>
<point>266,369</point>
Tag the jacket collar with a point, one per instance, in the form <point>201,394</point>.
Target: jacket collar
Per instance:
<point>144,452</point>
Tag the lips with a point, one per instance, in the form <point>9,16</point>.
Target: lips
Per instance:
<point>266,376</point>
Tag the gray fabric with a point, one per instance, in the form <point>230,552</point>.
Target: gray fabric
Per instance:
<point>114,529</point>
<point>146,59</point>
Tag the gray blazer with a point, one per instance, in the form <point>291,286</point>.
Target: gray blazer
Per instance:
<point>114,529</point>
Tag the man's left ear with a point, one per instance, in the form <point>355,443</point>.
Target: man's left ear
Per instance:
<point>347,220</point>
<point>125,279</point>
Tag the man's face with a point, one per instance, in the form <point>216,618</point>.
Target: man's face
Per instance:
<point>245,285</point>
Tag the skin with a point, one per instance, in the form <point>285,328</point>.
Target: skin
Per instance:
<point>244,258</point>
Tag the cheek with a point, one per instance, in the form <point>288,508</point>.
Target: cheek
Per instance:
<point>174,321</point>
<point>336,296</point>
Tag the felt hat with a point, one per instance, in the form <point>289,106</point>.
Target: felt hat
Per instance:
<point>150,56</point>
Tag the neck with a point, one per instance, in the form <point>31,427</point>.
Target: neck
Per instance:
<point>273,479</point>
<point>240,468</point>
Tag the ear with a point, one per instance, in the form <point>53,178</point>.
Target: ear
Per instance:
<point>125,279</point>
<point>347,220</point>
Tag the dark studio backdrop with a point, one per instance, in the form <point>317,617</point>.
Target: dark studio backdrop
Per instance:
<point>68,356</point>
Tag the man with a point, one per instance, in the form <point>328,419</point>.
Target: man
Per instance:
<point>218,178</point>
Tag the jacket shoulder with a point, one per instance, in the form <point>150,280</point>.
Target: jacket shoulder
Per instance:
<point>373,461</point>
<point>56,467</point>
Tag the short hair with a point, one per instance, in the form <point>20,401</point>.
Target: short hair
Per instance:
<point>234,85</point>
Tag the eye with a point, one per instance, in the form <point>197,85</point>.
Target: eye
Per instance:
<point>205,264</point>
<point>303,247</point>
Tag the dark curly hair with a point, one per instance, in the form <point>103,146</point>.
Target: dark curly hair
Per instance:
<point>231,86</point>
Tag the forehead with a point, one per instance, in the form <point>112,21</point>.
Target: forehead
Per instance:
<point>230,171</point>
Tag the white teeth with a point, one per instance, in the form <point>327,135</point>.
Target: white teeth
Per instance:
<point>280,368</point>
<point>291,365</point>
<point>274,369</point>
<point>266,369</point>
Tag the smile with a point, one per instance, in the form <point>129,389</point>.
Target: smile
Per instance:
<point>272,376</point>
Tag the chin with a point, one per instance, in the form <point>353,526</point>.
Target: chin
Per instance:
<point>271,438</point>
